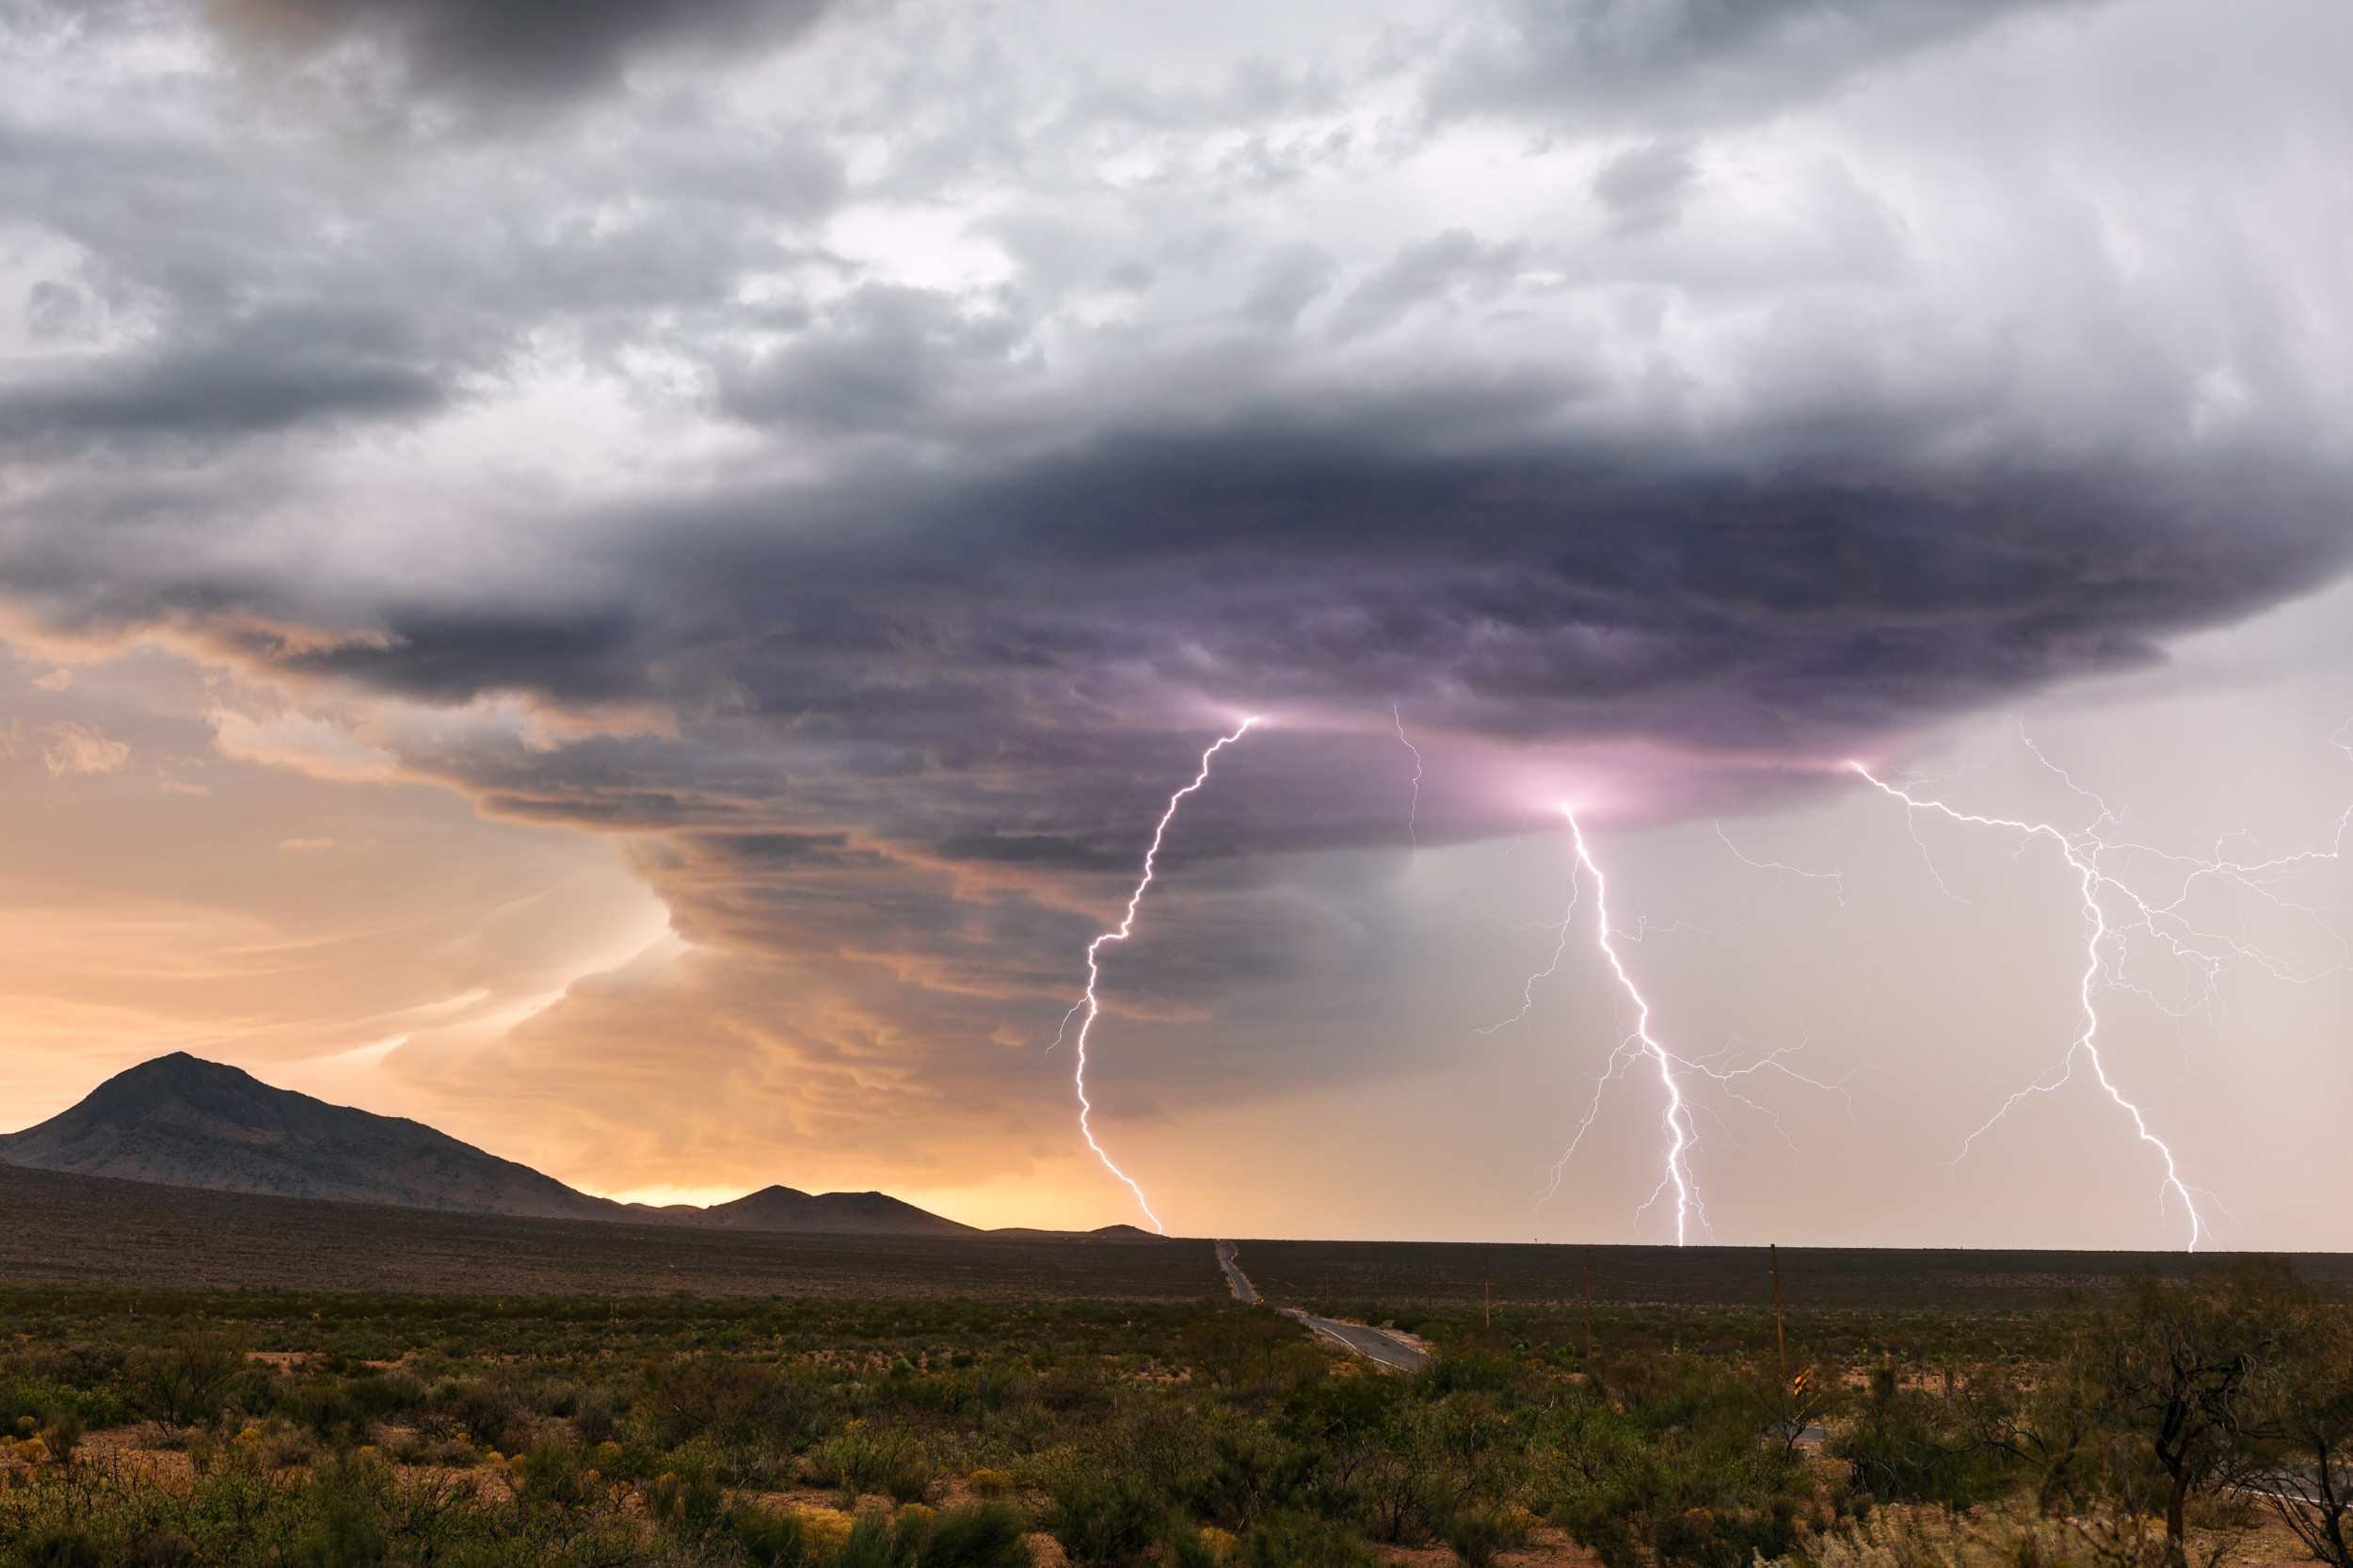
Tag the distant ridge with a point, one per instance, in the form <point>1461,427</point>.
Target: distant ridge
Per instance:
<point>788,1209</point>
<point>1123,1235</point>
<point>180,1121</point>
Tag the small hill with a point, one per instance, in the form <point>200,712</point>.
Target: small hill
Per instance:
<point>1119,1234</point>
<point>185,1122</point>
<point>789,1210</point>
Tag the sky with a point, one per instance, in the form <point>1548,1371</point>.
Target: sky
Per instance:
<point>631,579</point>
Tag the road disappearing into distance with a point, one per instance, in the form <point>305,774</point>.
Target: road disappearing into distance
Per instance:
<point>1384,1348</point>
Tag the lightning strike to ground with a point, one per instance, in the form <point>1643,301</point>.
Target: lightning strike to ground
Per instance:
<point>1092,1005</point>
<point>1681,1135</point>
<point>2086,1043</point>
<point>1680,1118</point>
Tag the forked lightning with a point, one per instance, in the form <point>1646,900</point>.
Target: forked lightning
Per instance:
<point>2086,1043</point>
<point>1092,1005</point>
<point>1680,1134</point>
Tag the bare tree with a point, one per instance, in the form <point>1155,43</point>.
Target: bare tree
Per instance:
<point>177,1384</point>
<point>2300,1466</point>
<point>2177,1373</point>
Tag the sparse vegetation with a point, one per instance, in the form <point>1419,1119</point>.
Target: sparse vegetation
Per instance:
<point>2149,1427</point>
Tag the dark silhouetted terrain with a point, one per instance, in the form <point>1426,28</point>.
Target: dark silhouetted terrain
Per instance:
<point>58,1229</point>
<point>788,1209</point>
<point>189,1122</point>
<point>183,1122</point>
<point>80,1232</point>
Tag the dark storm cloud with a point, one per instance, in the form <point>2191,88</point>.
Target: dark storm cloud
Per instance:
<point>1520,594</point>
<point>981,671</point>
<point>443,653</point>
<point>274,368</point>
<point>535,48</point>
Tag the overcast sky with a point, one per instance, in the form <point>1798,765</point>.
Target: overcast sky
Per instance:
<point>630,579</point>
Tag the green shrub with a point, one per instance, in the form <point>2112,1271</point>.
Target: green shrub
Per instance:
<point>863,1463</point>
<point>1466,1369</point>
<point>39,1399</point>
<point>878,1541</point>
<point>1906,1445</point>
<point>685,1502</point>
<point>553,1474</point>
<point>977,1535</point>
<point>771,1539</point>
<point>732,1401</point>
<point>348,1534</point>
<point>1249,1473</point>
<point>1188,1546</point>
<point>1104,1519</point>
<point>486,1413</point>
<point>592,1418</point>
<point>57,1547</point>
<point>1479,1534</point>
<point>62,1432</point>
<point>1291,1539</point>
<point>346,1530</point>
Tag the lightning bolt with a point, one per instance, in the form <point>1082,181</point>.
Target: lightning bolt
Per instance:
<point>1413,811</point>
<point>1680,1116</point>
<point>1092,1005</point>
<point>2086,1043</point>
<point>1681,1135</point>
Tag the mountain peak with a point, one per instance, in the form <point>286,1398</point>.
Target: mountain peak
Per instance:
<point>186,1122</point>
<point>182,1121</point>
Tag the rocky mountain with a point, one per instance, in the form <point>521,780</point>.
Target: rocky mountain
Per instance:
<point>185,1122</point>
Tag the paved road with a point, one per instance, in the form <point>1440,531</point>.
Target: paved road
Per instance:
<point>1235,1279</point>
<point>1384,1349</point>
<point>1388,1350</point>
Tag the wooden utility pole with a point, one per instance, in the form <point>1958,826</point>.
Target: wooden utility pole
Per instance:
<point>1589,1304</point>
<point>1781,1338</point>
<point>1487,1277</point>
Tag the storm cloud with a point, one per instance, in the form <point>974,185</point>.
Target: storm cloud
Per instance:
<point>854,456</point>
<point>537,49</point>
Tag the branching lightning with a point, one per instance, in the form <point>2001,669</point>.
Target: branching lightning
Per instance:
<point>2166,921</point>
<point>1836,880</point>
<point>1681,1135</point>
<point>2081,859</point>
<point>1091,1005</point>
<point>1640,1044</point>
<point>1560,948</point>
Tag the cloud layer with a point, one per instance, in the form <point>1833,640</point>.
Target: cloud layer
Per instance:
<point>856,456</point>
